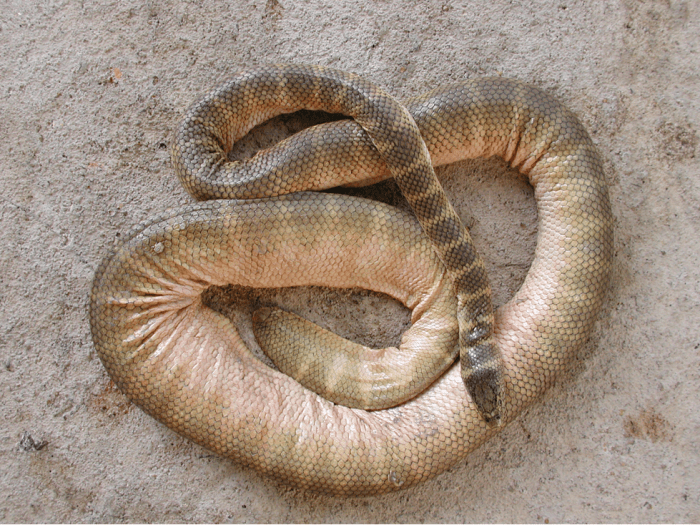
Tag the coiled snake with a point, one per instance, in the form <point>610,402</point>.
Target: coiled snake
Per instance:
<point>187,366</point>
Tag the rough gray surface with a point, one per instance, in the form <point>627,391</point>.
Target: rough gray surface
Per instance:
<point>89,96</point>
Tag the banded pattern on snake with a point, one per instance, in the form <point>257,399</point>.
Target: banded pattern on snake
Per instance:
<point>185,364</point>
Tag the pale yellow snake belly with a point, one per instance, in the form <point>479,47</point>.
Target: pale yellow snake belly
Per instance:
<point>185,364</point>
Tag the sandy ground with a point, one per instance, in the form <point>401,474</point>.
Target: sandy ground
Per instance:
<point>89,96</point>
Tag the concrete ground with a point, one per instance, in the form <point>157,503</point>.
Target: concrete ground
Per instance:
<point>90,93</point>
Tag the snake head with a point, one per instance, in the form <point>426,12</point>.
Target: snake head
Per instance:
<point>485,387</point>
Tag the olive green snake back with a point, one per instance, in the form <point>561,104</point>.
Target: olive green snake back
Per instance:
<point>187,366</point>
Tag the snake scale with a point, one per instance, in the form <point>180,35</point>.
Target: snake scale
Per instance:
<point>188,367</point>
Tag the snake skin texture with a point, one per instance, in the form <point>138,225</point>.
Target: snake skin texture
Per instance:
<point>187,366</point>
<point>225,115</point>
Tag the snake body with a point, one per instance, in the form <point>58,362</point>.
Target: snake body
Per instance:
<point>214,123</point>
<point>185,364</point>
